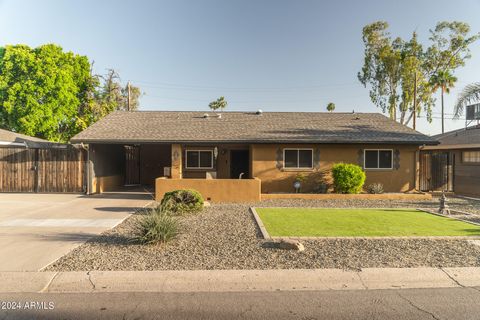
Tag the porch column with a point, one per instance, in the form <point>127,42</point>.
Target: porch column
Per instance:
<point>176,155</point>
<point>417,170</point>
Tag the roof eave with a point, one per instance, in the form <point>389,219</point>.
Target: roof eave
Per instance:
<point>133,141</point>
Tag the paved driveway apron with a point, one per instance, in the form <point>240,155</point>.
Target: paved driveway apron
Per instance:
<point>37,229</point>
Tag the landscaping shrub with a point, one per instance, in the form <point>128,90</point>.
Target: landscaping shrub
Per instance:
<point>157,227</point>
<point>375,188</point>
<point>182,201</point>
<point>348,178</point>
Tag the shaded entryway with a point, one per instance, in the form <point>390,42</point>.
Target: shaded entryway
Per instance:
<point>239,164</point>
<point>437,171</point>
<point>113,166</point>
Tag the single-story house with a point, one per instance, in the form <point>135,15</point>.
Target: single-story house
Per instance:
<point>457,160</point>
<point>18,140</point>
<point>229,154</point>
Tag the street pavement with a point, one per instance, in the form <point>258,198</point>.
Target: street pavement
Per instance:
<point>376,293</point>
<point>405,304</point>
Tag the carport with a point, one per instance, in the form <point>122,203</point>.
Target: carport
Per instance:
<point>114,165</point>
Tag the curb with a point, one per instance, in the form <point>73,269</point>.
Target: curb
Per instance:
<point>238,280</point>
<point>260,225</point>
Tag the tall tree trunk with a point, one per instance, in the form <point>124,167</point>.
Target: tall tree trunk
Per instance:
<point>443,115</point>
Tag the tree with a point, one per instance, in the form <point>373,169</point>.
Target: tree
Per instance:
<point>443,80</point>
<point>52,94</point>
<point>135,95</point>
<point>331,107</point>
<point>42,89</point>
<point>112,95</point>
<point>220,103</point>
<point>394,68</point>
<point>469,94</point>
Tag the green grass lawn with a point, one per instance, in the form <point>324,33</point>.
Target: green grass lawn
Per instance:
<point>312,222</point>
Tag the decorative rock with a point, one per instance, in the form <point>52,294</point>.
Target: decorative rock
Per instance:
<point>289,244</point>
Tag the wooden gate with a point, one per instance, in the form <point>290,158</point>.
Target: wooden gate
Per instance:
<point>436,171</point>
<point>42,170</point>
<point>17,170</point>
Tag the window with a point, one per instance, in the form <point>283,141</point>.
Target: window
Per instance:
<point>378,159</point>
<point>199,159</point>
<point>471,156</point>
<point>298,158</point>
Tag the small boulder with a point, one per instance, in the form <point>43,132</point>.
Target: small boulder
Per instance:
<point>289,244</point>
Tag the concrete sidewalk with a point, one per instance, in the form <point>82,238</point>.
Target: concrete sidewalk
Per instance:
<point>237,280</point>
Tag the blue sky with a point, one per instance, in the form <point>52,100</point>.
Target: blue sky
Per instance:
<point>273,55</point>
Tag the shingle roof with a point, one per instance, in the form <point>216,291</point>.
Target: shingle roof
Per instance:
<point>238,127</point>
<point>18,138</point>
<point>464,137</point>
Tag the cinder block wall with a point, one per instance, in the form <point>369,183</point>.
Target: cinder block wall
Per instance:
<point>214,190</point>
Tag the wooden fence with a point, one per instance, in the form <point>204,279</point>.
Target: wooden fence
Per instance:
<point>42,170</point>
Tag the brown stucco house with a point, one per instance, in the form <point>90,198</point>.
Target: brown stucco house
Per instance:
<point>211,152</point>
<point>454,164</point>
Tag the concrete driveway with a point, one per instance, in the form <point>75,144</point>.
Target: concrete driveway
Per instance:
<point>37,229</point>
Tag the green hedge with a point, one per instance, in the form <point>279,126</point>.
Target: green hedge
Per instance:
<point>348,178</point>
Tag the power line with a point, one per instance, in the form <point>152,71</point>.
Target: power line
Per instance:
<point>253,101</point>
<point>256,89</point>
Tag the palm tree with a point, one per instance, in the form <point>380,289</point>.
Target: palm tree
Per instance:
<point>220,103</point>
<point>443,80</point>
<point>331,107</point>
<point>470,93</point>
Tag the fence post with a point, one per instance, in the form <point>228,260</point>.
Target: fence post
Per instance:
<point>36,176</point>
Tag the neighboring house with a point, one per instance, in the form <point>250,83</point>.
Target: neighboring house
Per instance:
<point>272,147</point>
<point>29,164</point>
<point>13,139</point>
<point>454,164</point>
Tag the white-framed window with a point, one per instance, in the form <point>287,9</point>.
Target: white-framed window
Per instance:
<point>199,159</point>
<point>297,158</point>
<point>471,156</point>
<point>378,159</point>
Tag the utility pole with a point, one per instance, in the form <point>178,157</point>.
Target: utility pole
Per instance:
<point>415,102</point>
<point>128,96</point>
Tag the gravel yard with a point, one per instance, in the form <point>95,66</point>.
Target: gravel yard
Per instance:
<point>225,236</point>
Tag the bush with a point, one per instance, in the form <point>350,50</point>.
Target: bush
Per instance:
<point>375,188</point>
<point>157,227</point>
<point>348,178</point>
<point>300,177</point>
<point>182,201</point>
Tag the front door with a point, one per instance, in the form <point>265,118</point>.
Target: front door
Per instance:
<point>239,163</point>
